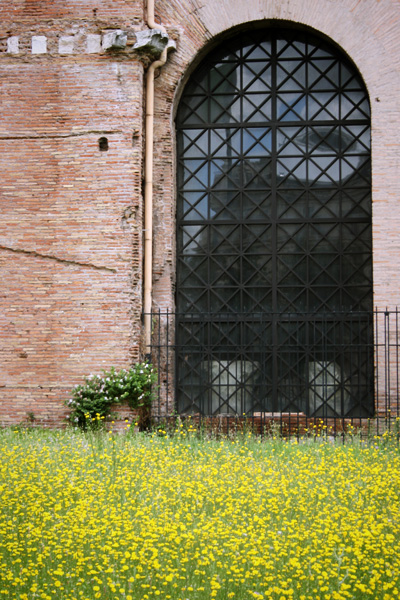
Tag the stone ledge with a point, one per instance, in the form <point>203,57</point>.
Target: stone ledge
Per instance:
<point>150,42</point>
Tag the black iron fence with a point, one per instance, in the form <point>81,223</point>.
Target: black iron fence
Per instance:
<point>326,371</point>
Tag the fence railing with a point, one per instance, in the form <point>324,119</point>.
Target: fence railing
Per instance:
<point>302,372</point>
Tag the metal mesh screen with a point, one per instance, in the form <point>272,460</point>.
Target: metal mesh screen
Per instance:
<point>273,218</point>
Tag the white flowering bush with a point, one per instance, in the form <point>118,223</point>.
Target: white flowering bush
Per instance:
<point>91,402</point>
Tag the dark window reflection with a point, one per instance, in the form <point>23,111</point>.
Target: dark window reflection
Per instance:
<point>274,218</point>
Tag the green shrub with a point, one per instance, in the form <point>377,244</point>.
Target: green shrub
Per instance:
<point>91,402</point>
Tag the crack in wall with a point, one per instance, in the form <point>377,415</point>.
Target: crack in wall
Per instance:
<point>57,259</point>
<point>58,135</point>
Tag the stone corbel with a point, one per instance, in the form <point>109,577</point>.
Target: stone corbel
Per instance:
<point>152,42</point>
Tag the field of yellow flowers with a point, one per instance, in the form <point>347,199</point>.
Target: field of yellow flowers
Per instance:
<point>125,517</point>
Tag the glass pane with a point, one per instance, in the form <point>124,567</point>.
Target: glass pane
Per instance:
<point>189,265</point>
<point>224,109</point>
<point>290,48</point>
<point>291,171</point>
<point>225,142</point>
<point>323,74</point>
<point>292,238</point>
<point>292,299</point>
<point>292,205</point>
<point>195,174</point>
<point>194,111</point>
<point>355,139</point>
<point>194,300</point>
<point>325,269</point>
<point>357,268</point>
<point>256,77</point>
<point>256,205</point>
<point>350,79</point>
<point>195,206</point>
<point>261,51</point>
<point>355,171</point>
<point>256,174</point>
<point>257,141</point>
<point>324,170</point>
<point>193,239</point>
<point>256,239</point>
<point>224,239</point>
<point>225,271</point>
<point>225,299</point>
<point>256,107</point>
<point>224,79</point>
<point>291,141</point>
<point>324,140</point>
<point>291,106</point>
<point>257,271</point>
<point>225,174</point>
<point>195,143</point>
<point>324,238</point>
<point>292,269</point>
<point>354,105</point>
<point>291,76</point>
<point>324,203</point>
<point>323,106</point>
<point>357,204</point>
<point>225,206</point>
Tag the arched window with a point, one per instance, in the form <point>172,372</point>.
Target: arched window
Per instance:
<point>274,265</point>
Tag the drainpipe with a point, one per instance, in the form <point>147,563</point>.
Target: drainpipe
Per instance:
<point>148,188</point>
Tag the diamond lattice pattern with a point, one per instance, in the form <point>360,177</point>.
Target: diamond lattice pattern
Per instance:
<point>274,208</point>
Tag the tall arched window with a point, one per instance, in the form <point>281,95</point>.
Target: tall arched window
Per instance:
<point>274,269</point>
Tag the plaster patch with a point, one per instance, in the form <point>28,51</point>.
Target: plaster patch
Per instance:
<point>66,44</point>
<point>39,44</point>
<point>13,45</point>
<point>93,43</point>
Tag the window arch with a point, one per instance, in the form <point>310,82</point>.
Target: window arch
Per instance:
<point>274,255</point>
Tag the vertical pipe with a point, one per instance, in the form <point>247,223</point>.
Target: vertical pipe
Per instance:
<point>148,187</point>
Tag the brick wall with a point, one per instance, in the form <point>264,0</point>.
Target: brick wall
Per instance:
<point>71,228</point>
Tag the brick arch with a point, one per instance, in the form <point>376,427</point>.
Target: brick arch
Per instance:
<point>367,32</point>
<point>346,24</point>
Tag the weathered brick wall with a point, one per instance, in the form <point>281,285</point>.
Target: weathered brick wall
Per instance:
<point>38,12</point>
<point>71,228</point>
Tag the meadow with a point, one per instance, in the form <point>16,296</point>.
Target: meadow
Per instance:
<point>145,516</point>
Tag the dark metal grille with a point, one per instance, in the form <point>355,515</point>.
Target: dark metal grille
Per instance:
<point>320,365</point>
<point>274,217</point>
